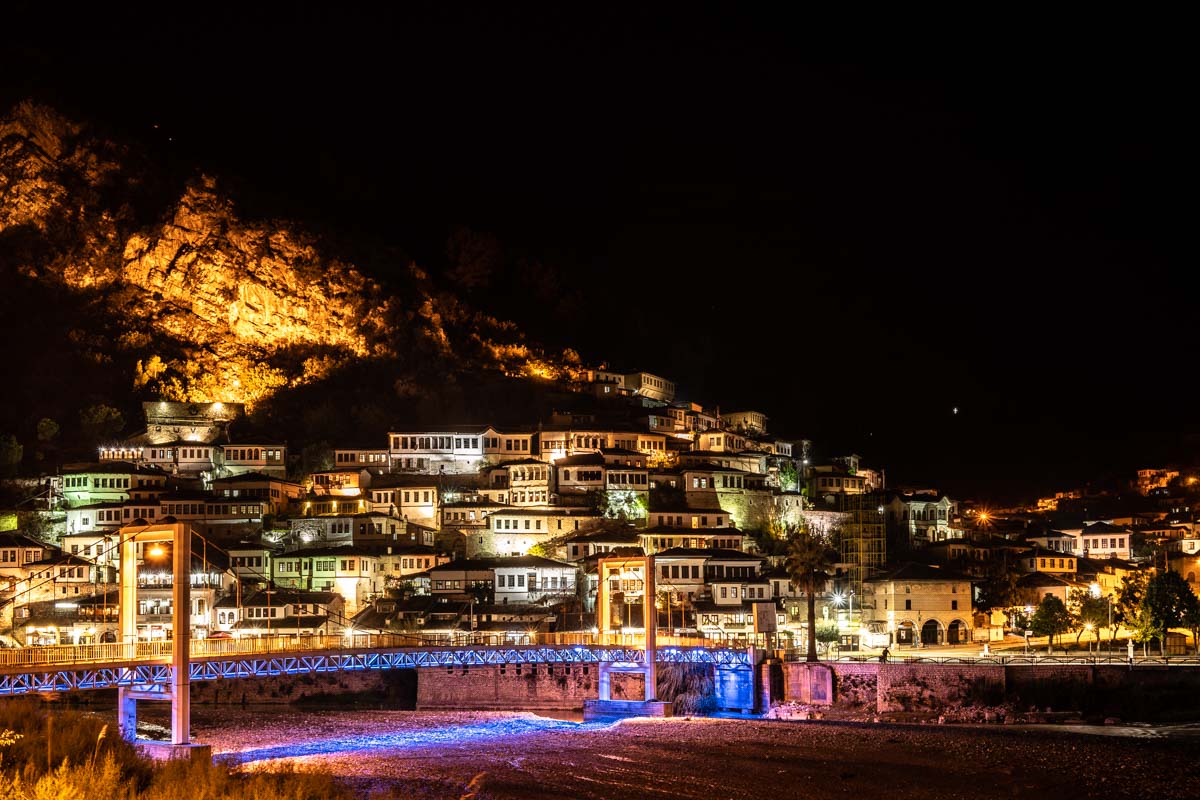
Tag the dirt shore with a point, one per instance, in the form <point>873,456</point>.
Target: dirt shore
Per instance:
<point>416,755</point>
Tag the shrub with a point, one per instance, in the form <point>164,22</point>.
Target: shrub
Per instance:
<point>690,688</point>
<point>65,754</point>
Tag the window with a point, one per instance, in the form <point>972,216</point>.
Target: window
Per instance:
<point>954,605</point>
<point>908,605</point>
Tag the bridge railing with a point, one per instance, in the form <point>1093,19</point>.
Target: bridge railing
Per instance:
<point>83,653</point>
<point>59,655</point>
<point>1006,659</point>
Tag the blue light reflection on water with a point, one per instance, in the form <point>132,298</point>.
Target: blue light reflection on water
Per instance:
<point>409,739</point>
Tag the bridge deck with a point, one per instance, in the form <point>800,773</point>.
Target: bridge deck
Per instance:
<point>145,666</point>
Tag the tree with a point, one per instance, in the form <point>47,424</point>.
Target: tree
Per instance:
<point>1144,627</point>
<point>789,477</point>
<point>1168,599</point>
<point>47,430</point>
<point>315,457</point>
<point>1051,618</point>
<point>100,422</point>
<point>11,453</point>
<point>543,550</point>
<point>1129,600</point>
<point>827,633</point>
<point>1191,621</point>
<point>808,559</point>
<point>1000,586</point>
<point>1089,611</point>
<point>473,258</point>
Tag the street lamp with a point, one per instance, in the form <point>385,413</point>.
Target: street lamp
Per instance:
<point>1094,589</point>
<point>839,599</point>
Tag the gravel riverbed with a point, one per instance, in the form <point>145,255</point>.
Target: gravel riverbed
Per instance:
<point>522,755</point>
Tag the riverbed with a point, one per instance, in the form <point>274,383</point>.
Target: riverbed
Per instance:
<point>522,755</point>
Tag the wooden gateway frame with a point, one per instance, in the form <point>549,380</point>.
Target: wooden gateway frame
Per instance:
<point>640,571</point>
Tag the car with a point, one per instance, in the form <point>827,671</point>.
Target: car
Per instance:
<point>220,635</point>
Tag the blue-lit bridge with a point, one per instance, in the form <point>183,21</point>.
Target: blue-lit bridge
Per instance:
<point>164,670</point>
<point>145,667</point>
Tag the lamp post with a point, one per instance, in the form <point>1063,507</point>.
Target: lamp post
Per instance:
<point>1094,589</point>
<point>839,599</point>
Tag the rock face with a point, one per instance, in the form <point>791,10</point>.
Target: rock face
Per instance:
<point>251,284</point>
<point>216,307</point>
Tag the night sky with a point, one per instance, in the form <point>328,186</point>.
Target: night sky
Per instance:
<point>856,241</point>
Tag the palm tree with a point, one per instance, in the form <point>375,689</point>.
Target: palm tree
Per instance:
<point>808,558</point>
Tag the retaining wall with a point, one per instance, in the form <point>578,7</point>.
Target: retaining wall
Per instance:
<point>394,686</point>
<point>855,684</point>
<point>1140,693</point>
<point>920,687</point>
<point>513,686</point>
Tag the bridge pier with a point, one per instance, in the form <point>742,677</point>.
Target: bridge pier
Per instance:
<point>624,571</point>
<point>179,535</point>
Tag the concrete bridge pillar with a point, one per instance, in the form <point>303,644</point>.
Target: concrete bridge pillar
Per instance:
<point>604,683</point>
<point>179,536</point>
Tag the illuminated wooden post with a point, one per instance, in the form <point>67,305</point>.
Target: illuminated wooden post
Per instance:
<point>180,537</point>
<point>650,615</point>
<point>181,622</point>
<point>127,615</point>
<point>606,567</point>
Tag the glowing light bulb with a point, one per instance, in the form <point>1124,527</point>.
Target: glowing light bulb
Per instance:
<point>156,550</point>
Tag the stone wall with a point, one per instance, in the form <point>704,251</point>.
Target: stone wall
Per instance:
<point>393,687</point>
<point>855,684</point>
<point>904,687</point>
<point>920,687</point>
<point>523,686</point>
<point>1147,693</point>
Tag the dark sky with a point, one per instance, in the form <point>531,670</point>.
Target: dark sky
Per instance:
<point>854,234</point>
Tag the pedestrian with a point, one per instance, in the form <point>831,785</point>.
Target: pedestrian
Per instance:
<point>883,657</point>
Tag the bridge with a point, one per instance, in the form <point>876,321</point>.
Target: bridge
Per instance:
<point>163,670</point>
<point>146,666</point>
<point>145,670</point>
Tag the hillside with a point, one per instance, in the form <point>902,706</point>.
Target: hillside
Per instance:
<point>125,283</point>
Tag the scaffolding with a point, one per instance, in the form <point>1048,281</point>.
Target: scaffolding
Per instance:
<point>863,541</point>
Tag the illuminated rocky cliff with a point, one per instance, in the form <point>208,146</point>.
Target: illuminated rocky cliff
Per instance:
<point>211,305</point>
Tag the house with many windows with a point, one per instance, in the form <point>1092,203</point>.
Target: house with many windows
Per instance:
<point>280,494</point>
<point>744,460</point>
<point>513,531</point>
<point>349,571</point>
<point>533,579</point>
<point>276,612</point>
<point>526,481</point>
<point>650,386</point>
<point>607,539</point>
<point>113,482</point>
<point>238,458</point>
<point>922,519</point>
<point>457,450</point>
<point>109,516</point>
<point>374,458</point>
<point>414,498</point>
<point>920,604</point>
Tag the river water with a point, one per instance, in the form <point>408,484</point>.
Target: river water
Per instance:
<point>530,756</point>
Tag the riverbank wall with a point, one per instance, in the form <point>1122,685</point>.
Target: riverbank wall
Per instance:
<point>1149,692</point>
<point>526,687</point>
